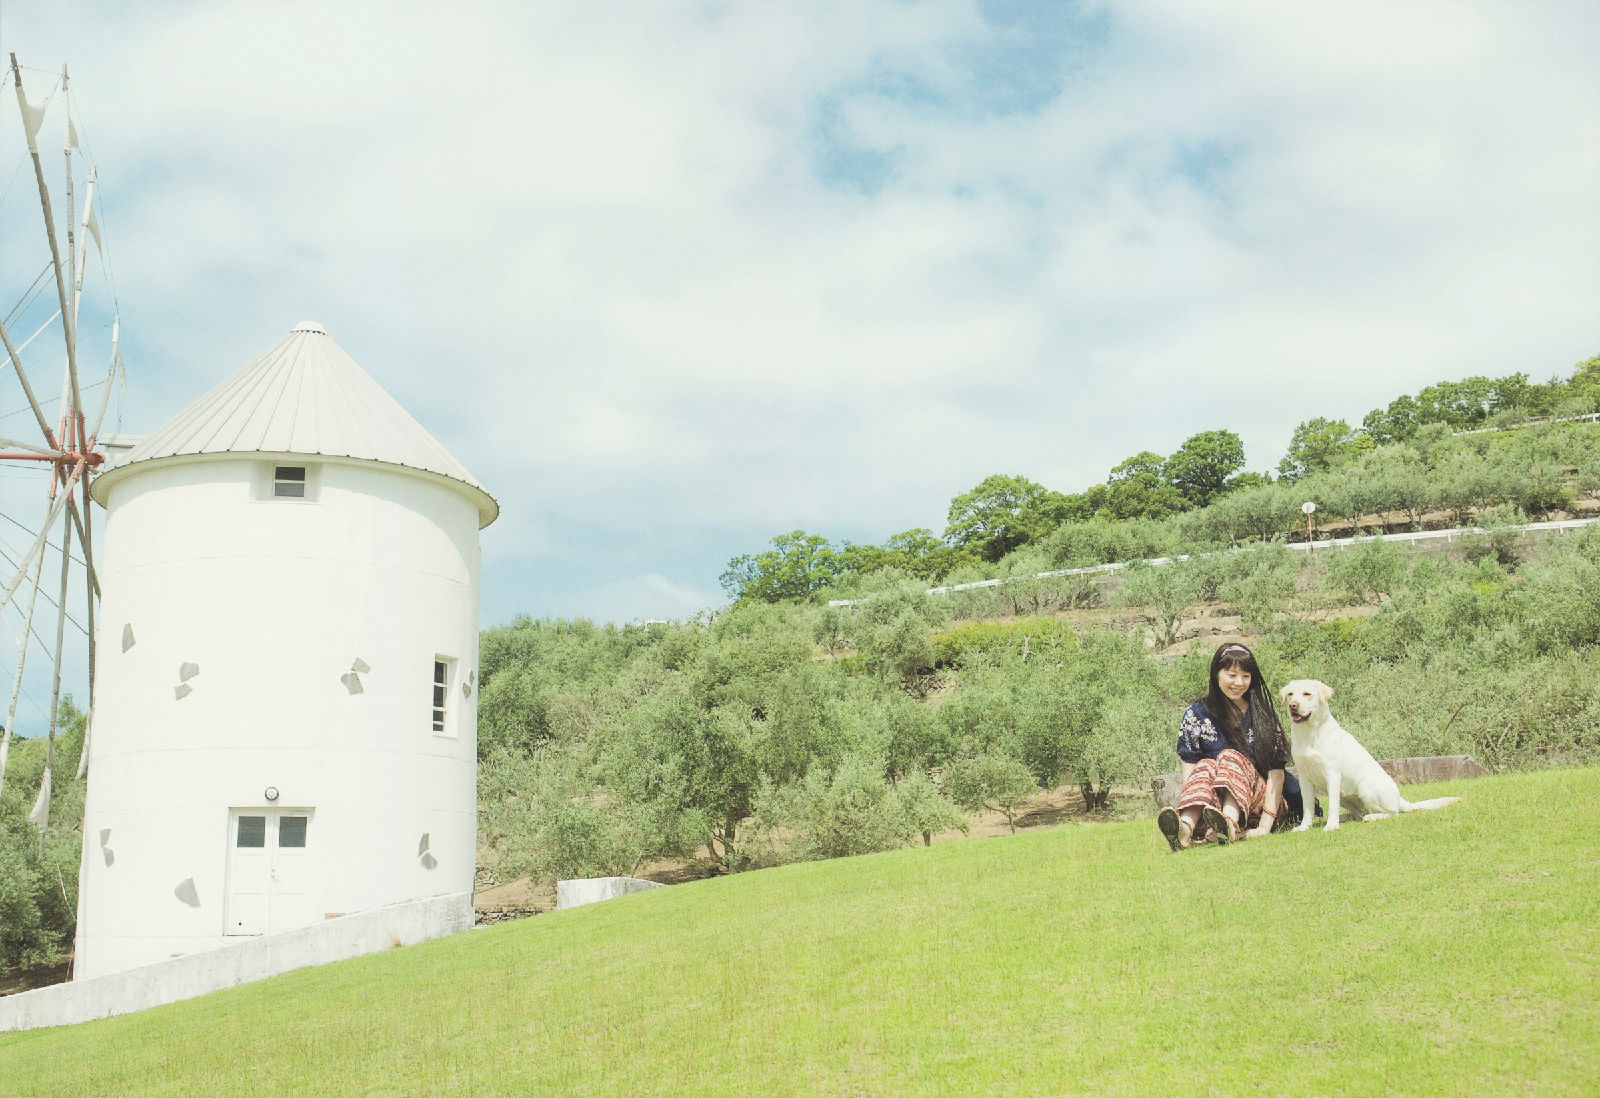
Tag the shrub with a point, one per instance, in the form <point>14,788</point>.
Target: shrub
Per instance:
<point>39,881</point>
<point>1497,536</point>
<point>1033,636</point>
<point>1131,742</point>
<point>1368,571</point>
<point>1084,544</point>
<point>851,811</point>
<point>990,781</point>
<point>1166,594</point>
<point>1267,579</point>
<point>924,808</point>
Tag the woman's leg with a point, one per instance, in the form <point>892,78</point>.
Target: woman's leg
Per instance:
<point>1238,787</point>
<point>1230,807</point>
<point>1198,792</point>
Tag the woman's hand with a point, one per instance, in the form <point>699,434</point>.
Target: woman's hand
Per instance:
<point>1274,800</point>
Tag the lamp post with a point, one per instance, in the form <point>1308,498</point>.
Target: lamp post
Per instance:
<point>1310,509</point>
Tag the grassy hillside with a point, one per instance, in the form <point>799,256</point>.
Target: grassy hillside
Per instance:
<point>1446,952</point>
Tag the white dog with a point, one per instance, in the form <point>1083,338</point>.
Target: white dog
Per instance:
<point>1331,763</point>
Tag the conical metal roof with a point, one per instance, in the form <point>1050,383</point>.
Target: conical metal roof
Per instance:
<point>303,396</point>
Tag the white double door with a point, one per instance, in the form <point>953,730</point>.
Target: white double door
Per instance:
<point>268,870</point>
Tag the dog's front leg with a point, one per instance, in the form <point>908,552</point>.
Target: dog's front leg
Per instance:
<point>1334,777</point>
<point>1308,797</point>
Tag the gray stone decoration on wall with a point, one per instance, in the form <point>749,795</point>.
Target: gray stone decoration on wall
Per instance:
<point>186,671</point>
<point>352,677</point>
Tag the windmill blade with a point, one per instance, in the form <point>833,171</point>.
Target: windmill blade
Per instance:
<point>55,678</point>
<point>80,254</point>
<point>40,450</point>
<point>38,542</point>
<point>91,577</point>
<point>88,732</point>
<point>22,661</point>
<point>5,749</point>
<point>40,813</point>
<point>67,326</point>
<point>111,375</point>
<point>88,553</point>
<point>91,596</point>
<point>27,388</point>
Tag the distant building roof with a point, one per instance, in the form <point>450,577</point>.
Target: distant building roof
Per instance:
<point>303,396</point>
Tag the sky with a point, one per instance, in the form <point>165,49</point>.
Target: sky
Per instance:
<point>673,278</point>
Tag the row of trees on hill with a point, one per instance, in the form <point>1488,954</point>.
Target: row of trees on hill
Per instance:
<point>794,731</point>
<point>1003,514</point>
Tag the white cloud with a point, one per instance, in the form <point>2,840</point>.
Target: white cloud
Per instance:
<point>613,257</point>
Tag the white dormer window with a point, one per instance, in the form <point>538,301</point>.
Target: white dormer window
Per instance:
<point>289,481</point>
<point>281,481</point>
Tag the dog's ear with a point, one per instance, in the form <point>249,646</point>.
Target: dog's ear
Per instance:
<point>1283,695</point>
<point>1324,691</point>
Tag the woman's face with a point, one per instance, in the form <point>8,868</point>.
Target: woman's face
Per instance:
<point>1234,681</point>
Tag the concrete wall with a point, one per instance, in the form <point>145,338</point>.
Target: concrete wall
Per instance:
<point>229,634</point>
<point>244,960</point>
<point>591,890</point>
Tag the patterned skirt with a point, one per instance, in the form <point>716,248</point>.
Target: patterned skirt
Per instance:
<point>1232,771</point>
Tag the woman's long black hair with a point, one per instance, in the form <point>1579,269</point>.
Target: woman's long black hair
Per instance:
<point>1270,745</point>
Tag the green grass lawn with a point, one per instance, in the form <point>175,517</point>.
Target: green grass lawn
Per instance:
<point>1449,952</point>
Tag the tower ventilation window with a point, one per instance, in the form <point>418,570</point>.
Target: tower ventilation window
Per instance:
<point>443,673</point>
<point>289,481</point>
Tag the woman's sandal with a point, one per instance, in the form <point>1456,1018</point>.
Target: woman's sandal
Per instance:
<point>1167,820</point>
<point>1222,828</point>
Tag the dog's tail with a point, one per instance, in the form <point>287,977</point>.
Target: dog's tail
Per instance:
<point>1418,806</point>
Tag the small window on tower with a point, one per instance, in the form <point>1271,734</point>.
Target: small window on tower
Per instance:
<point>444,675</point>
<point>289,481</point>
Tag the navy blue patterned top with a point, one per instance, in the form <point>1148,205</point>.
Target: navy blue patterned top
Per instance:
<point>1199,738</point>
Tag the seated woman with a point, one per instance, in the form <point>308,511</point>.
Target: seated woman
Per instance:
<point>1233,752</point>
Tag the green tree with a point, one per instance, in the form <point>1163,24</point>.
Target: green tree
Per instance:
<point>990,781</point>
<point>1461,404</point>
<point>39,873</point>
<point>1137,487</point>
<point>901,649</point>
<point>1320,444</point>
<point>1166,594</point>
<point>1203,465</point>
<point>999,515</point>
<point>796,567</point>
<point>851,811</point>
<point>916,552</point>
<point>1583,388</point>
<point>1396,423</point>
<point>924,808</point>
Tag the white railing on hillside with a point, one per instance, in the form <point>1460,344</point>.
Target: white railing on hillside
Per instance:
<point>1412,536</point>
<point>1532,421</point>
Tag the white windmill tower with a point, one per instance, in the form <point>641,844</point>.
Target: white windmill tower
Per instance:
<point>285,713</point>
